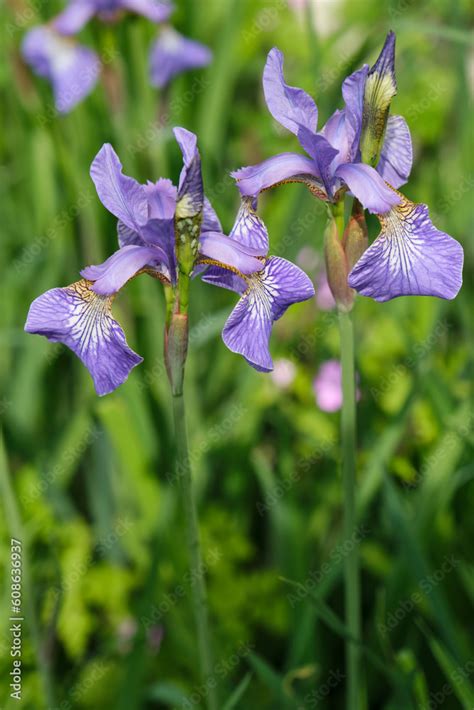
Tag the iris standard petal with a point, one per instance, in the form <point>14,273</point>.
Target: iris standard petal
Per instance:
<point>410,257</point>
<point>73,18</point>
<point>322,154</point>
<point>154,10</point>
<point>114,272</point>
<point>285,167</point>
<point>370,189</point>
<point>248,229</point>
<point>82,320</point>
<point>123,196</point>
<point>396,157</point>
<point>290,106</point>
<point>190,190</point>
<point>335,132</point>
<point>353,94</point>
<point>172,54</point>
<point>227,251</point>
<point>269,294</point>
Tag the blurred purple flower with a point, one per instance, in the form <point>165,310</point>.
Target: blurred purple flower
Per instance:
<point>155,636</point>
<point>266,290</point>
<point>284,373</point>
<point>79,12</point>
<point>174,54</point>
<point>327,386</point>
<point>410,256</point>
<point>72,69</point>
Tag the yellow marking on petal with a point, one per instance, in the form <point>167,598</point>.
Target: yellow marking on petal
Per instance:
<point>379,92</point>
<point>185,207</point>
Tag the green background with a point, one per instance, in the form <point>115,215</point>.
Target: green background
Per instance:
<point>86,483</point>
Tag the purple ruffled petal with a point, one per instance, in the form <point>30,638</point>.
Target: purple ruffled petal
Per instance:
<point>285,167</point>
<point>353,93</point>
<point>323,155</point>
<point>154,10</point>
<point>190,190</point>
<point>335,132</point>
<point>73,18</point>
<point>72,69</point>
<point>161,196</point>
<point>396,157</point>
<point>82,320</point>
<point>249,230</point>
<point>227,251</point>
<point>370,189</point>
<point>123,196</point>
<point>290,106</point>
<point>268,296</point>
<point>410,257</point>
<point>159,229</point>
<point>114,272</point>
<point>172,54</point>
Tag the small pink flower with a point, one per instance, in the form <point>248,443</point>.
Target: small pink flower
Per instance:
<point>283,373</point>
<point>327,386</point>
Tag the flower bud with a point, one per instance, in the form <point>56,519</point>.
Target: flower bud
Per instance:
<point>380,88</point>
<point>355,240</point>
<point>337,268</point>
<point>176,348</point>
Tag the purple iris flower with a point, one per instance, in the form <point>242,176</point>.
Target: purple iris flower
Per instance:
<point>265,294</point>
<point>173,54</point>
<point>80,315</point>
<point>72,69</point>
<point>332,165</point>
<point>410,256</point>
<point>79,12</point>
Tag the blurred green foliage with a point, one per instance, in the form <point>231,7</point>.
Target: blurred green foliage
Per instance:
<point>87,484</point>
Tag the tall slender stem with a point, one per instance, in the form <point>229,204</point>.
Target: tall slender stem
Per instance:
<point>195,557</point>
<point>351,562</point>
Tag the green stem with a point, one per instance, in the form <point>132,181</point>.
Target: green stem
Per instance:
<point>351,562</point>
<point>197,571</point>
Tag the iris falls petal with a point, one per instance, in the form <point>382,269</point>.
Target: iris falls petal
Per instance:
<point>268,295</point>
<point>82,320</point>
<point>410,257</point>
<point>248,229</point>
